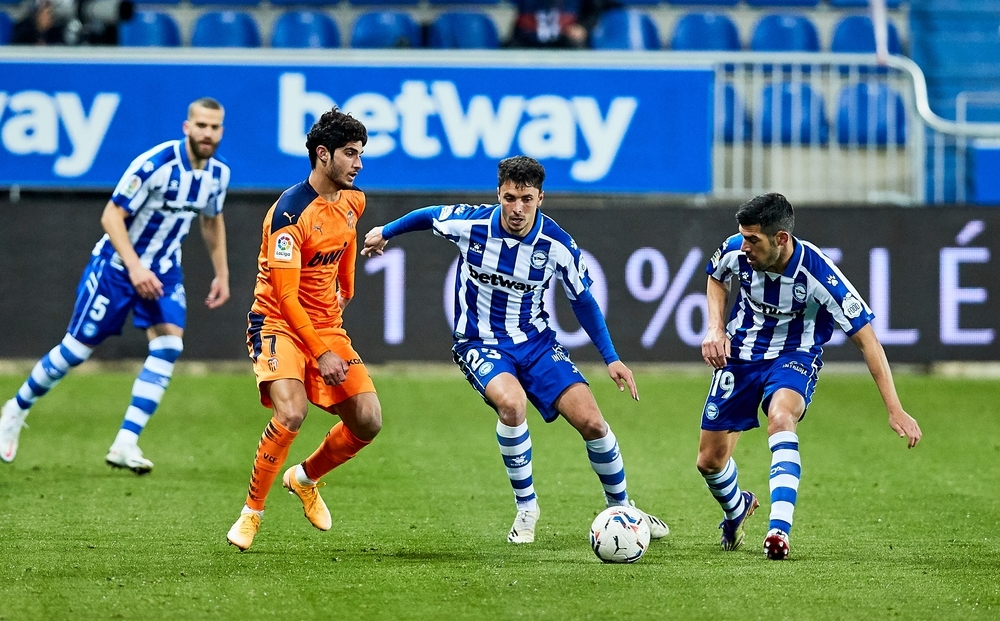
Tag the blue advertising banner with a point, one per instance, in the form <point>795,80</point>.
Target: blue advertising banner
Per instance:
<point>77,124</point>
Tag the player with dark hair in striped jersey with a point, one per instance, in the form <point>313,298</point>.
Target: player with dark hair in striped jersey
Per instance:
<point>136,267</point>
<point>502,339</point>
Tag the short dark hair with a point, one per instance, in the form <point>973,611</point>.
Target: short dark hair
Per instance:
<point>524,171</point>
<point>772,212</point>
<point>204,102</point>
<point>333,130</point>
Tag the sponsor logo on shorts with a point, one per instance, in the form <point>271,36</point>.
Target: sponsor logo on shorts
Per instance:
<point>283,247</point>
<point>559,354</point>
<point>852,306</point>
<point>272,363</point>
<point>354,361</point>
<point>711,411</point>
<point>485,368</point>
<point>795,366</point>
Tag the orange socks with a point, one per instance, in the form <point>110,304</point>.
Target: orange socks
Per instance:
<point>271,454</point>
<point>338,446</point>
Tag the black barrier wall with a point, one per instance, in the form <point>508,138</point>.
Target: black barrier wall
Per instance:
<point>927,273</point>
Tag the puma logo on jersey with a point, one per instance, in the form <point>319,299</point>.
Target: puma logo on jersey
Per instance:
<point>291,217</point>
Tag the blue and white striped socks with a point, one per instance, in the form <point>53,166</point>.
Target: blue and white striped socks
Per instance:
<point>515,448</point>
<point>50,369</point>
<point>726,489</point>
<point>148,389</point>
<point>606,460</point>
<point>784,482</point>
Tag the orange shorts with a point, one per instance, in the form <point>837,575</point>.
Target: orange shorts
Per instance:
<point>283,356</point>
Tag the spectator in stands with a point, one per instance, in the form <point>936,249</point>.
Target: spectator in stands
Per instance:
<point>47,22</point>
<point>557,23</point>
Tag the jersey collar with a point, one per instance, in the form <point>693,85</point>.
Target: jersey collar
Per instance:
<point>183,152</point>
<point>794,260</point>
<point>497,230</point>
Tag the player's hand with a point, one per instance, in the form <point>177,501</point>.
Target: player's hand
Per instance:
<point>906,426</point>
<point>715,348</point>
<point>332,368</point>
<point>374,242</point>
<point>622,376</point>
<point>342,302</point>
<point>218,293</point>
<point>146,284</point>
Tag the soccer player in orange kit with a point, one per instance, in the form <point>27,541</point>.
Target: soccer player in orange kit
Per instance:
<point>300,351</point>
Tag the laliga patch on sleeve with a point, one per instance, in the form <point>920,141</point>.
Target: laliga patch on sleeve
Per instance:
<point>283,247</point>
<point>715,258</point>
<point>852,306</point>
<point>133,186</point>
<point>446,212</point>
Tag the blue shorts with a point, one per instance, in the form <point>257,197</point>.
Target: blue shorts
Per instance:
<point>105,296</point>
<point>740,387</point>
<point>541,365</point>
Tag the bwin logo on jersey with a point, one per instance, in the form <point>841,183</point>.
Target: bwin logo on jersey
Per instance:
<point>543,127</point>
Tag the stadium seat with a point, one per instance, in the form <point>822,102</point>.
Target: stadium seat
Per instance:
<point>705,31</point>
<point>784,33</point>
<point>300,3</point>
<point>863,115</point>
<point>433,2</point>
<point>856,34</point>
<point>305,29</point>
<point>782,2</point>
<point>6,28</point>
<point>383,2</point>
<point>625,29</point>
<point>463,30</point>
<point>734,107</point>
<point>225,29</point>
<point>149,29</point>
<point>385,29</point>
<point>801,114</point>
<point>706,2</point>
<point>841,4</point>
<point>226,2</point>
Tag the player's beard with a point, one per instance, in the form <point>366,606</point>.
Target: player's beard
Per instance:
<point>201,150</point>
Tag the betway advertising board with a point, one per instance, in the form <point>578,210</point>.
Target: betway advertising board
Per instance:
<point>432,126</point>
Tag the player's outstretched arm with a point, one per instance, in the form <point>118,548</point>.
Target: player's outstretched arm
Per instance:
<point>622,375</point>
<point>146,284</point>
<point>213,230</point>
<point>374,242</point>
<point>878,365</point>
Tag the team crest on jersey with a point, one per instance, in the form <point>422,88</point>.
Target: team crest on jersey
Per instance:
<point>799,292</point>
<point>852,306</point>
<point>133,186</point>
<point>539,258</point>
<point>446,212</point>
<point>283,247</point>
<point>351,219</point>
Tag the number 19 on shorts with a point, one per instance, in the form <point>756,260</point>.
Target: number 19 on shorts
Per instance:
<point>723,381</point>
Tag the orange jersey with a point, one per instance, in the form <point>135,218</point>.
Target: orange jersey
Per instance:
<point>307,256</point>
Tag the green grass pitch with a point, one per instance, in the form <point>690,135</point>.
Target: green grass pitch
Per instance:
<point>420,517</point>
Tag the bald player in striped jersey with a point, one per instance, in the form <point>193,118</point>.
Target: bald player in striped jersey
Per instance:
<point>790,299</point>
<point>136,267</point>
<point>509,252</point>
<point>301,353</point>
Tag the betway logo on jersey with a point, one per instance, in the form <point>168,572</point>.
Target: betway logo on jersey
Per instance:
<point>498,280</point>
<point>30,125</point>
<point>545,127</point>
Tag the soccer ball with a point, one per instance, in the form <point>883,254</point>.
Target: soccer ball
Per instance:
<point>619,535</point>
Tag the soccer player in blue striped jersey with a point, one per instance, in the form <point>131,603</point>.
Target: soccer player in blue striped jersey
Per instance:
<point>136,267</point>
<point>790,299</point>
<point>502,339</point>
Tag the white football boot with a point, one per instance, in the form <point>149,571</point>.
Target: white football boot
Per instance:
<point>128,456</point>
<point>658,529</point>
<point>523,529</point>
<point>11,421</point>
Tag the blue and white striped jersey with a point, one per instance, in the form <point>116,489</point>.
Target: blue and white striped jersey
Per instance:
<point>501,278</point>
<point>793,311</point>
<point>162,195</point>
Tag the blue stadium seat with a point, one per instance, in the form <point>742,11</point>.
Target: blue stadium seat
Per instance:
<point>464,2</point>
<point>149,29</point>
<point>299,3</point>
<point>383,2</point>
<point>801,114</point>
<point>385,29</point>
<point>734,107</point>
<point>782,2</point>
<point>305,29</point>
<point>225,29</point>
<point>227,2</point>
<point>463,30</point>
<point>705,31</point>
<point>6,28</point>
<point>863,115</point>
<point>625,29</point>
<point>706,2</point>
<point>784,33</point>
<point>856,34</point>
<point>841,4</point>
